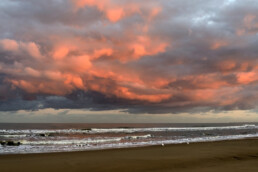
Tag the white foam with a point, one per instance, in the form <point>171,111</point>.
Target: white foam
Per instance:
<point>83,141</point>
<point>110,145</point>
<point>132,130</point>
<point>70,142</point>
<point>13,136</point>
<point>127,130</point>
<point>177,141</point>
<point>138,137</point>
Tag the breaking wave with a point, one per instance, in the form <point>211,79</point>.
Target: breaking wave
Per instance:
<point>126,130</point>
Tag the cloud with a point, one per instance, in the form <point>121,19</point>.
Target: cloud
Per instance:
<point>155,57</point>
<point>115,10</point>
<point>16,48</point>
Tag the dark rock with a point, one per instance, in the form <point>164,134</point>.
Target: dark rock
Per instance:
<point>3,143</point>
<point>86,129</point>
<point>10,143</point>
<point>45,134</point>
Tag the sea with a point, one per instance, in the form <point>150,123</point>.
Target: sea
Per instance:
<point>46,138</point>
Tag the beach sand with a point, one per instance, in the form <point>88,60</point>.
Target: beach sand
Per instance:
<point>238,155</point>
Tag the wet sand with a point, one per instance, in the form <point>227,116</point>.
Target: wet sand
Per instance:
<point>238,155</point>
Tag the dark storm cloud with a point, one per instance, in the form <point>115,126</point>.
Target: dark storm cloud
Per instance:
<point>161,57</point>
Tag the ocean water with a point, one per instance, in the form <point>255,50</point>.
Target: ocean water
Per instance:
<point>43,138</point>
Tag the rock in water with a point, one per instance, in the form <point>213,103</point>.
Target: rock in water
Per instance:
<point>10,143</point>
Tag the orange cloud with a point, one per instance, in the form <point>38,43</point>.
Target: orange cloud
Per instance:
<point>9,45</point>
<point>115,14</point>
<point>30,48</point>
<point>103,51</point>
<point>116,10</point>
<point>31,72</point>
<point>144,45</point>
<point>74,80</point>
<point>247,77</point>
<point>218,44</point>
<point>123,92</point>
<point>226,65</point>
<point>60,52</point>
<point>146,53</point>
<point>202,95</point>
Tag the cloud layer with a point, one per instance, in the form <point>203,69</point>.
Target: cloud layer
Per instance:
<point>155,57</point>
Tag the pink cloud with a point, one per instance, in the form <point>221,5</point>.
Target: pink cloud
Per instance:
<point>18,47</point>
<point>140,51</point>
<point>116,10</point>
<point>9,45</point>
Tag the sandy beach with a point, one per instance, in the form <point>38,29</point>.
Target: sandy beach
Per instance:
<point>238,155</point>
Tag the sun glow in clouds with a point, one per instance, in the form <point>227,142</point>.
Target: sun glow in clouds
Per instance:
<point>155,57</point>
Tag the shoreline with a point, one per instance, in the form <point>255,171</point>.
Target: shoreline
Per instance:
<point>229,155</point>
<point>132,147</point>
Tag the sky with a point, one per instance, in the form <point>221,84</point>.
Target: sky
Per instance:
<point>128,61</point>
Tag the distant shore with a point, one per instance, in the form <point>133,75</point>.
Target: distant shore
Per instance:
<point>234,155</point>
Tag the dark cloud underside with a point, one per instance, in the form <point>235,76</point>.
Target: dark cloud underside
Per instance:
<point>161,57</point>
